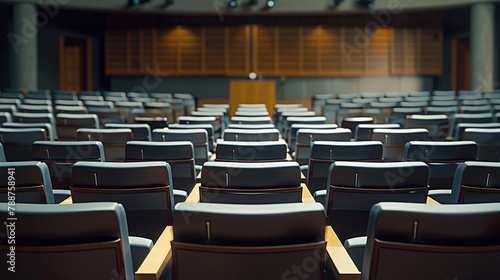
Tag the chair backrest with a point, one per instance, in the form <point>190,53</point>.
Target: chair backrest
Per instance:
<point>113,140</point>
<point>17,142</point>
<point>354,187</point>
<point>364,131</point>
<point>488,142</point>
<point>305,137</point>
<point>208,127</point>
<point>70,109</point>
<point>250,183</point>
<point>251,126</point>
<point>199,138</point>
<point>254,135</point>
<point>47,126</point>
<point>89,241</point>
<point>251,120</point>
<point>143,188</point>
<point>292,139</point>
<point>353,122</point>
<point>61,155</point>
<point>438,125</point>
<point>140,132</point>
<point>178,154</point>
<point>67,124</point>
<point>395,139</point>
<point>252,241</point>
<point>324,153</point>
<point>290,121</point>
<point>418,241</point>
<point>25,182</point>
<point>460,128</point>
<point>251,151</point>
<point>476,182</point>
<point>442,158</point>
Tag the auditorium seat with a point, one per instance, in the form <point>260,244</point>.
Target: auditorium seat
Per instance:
<point>86,241</point>
<point>352,122</point>
<point>251,120</point>
<point>144,189</point>
<point>61,155</point>
<point>67,124</point>
<point>178,154</point>
<point>364,132</point>
<point>324,153</point>
<point>153,122</point>
<point>292,140</point>
<point>305,138</point>
<point>35,118</point>
<point>459,129</point>
<point>437,125</point>
<point>399,114</point>
<point>290,121</point>
<point>250,183</point>
<point>476,182</point>
<point>199,138</point>
<point>442,159</point>
<point>140,132</point>
<point>488,142</point>
<point>29,181</point>
<point>113,140</point>
<point>47,126</point>
<point>354,187</point>
<point>17,142</point>
<point>418,241</point>
<point>254,135</point>
<point>251,151</point>
<point>394,140</point>
<point>246,242</point>
<point>70,109</point>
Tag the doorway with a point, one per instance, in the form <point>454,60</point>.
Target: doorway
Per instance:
<point>460,64</point>
<point>75,64</point>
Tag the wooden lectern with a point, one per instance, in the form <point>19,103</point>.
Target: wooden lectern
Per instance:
<point>252,92</point>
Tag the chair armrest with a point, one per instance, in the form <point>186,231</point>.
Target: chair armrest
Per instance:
<point>140,248</point>
<point>197,171</point>
<point>338,259</point>
<point>61,195</point>
<point>179,195</point>
<point>320,196</point>
<point>194,195</point>
<point>440,196</point>
<point>156,261</point>
<point>304,169</point>
<point>355,247</point>
<point>68,200</point>
<point>306,194</point>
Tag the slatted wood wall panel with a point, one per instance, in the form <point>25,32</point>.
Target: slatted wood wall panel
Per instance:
<point>329,52</point>
<point>265,50</point>
<point>238,50</point>
<point>313,50</point>
<point>310,54</point>
<point>166,46</point>
<point>215,50</point>
<point>116,52</point>
<point>417,51</point>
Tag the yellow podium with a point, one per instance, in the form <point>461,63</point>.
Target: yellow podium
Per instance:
<point>252,92</point>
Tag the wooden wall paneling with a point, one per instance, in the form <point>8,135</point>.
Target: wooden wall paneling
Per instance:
<point>191,50</point>
<point>166,50</point>
<point>288,50</point>
<point>431,51</point>
<point>238,50</point>
<point>116,52</point>
<point>331,54</point>
<point>354,47</point>
<point>398,52</point>
<point>377,58</point>
<point>265,56</point>
<point>310,44</point>
<point>215,54</point>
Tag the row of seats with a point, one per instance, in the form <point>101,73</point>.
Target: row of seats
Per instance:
<point>291,238</point>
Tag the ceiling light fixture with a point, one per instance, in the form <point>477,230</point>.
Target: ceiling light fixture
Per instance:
<point>232,4</point>
<point>270,3</point>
